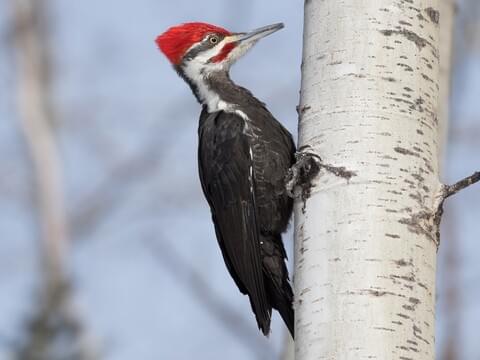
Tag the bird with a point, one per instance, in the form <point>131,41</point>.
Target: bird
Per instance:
<point>244,154</point>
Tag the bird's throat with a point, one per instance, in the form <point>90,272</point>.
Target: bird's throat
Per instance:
<point>209,89</point>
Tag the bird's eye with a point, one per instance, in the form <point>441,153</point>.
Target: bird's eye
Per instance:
<point>213,39</point>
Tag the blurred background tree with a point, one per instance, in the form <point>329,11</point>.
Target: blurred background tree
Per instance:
<point>141,276</point>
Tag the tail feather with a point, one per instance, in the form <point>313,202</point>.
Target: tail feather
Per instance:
<point>279,291</point>
<point>263,322</point>
<point>282,301</point>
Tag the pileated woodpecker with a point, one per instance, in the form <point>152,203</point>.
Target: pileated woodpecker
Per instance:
<point>244,155</point>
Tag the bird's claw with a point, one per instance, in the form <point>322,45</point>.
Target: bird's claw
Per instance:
<point>306,167</point>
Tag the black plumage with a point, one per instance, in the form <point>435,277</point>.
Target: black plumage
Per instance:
<point>243,159</point>
<point>244,155</point>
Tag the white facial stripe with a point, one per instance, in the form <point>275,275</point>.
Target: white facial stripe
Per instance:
<point>238,52</point>
<point>207,55</point>
<point>194,71</point>
<point>201,63</point>
<point>197,68</point>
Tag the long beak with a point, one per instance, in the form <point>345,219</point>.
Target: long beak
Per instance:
<point>259,33</point>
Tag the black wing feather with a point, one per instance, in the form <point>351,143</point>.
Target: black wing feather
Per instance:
<point>228,181</point>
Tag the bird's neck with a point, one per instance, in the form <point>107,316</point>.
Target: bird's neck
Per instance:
<point>216,91</point>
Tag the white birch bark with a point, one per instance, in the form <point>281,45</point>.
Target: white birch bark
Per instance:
<point>365,249</point>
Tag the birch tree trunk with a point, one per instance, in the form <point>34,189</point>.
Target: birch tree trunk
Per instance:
<point>367,234</point>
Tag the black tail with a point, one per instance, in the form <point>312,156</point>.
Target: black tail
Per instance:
<point>287,313</point>
<point>282,301</point>
<point>279,292</point>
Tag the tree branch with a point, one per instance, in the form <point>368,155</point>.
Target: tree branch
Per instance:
<point>449,190</point>
<point>54,330</point>
<point>108,194</point>
<point>35,119</point>
<point>445,192</point>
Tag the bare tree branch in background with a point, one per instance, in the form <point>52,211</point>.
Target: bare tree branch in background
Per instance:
<point>105,197</point>
<point>210,300</point>
<point>35,117</point>
<point>54,331</point>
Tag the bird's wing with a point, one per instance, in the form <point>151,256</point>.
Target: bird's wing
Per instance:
<point>228,182</point>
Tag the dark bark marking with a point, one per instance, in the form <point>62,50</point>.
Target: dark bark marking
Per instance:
<point>409,35</point>
<point>393,236</point>
<point>338,62</point>
<point>377,293</point>
<point>402,262</point>
<point>421,223</point>
<point>407,67</point>
<point>414,301</point>
<point>433,14</point>
<point>410,278</point>
<point>302,109</point>
<point>418,177</point>
<point>383,328</point>
<point>422,285</point>
<point>404,151</point>
<point>339,171</point>
<point>389,78</point>
<point>360,76</point>
<point>416,332</point>
<point>426,77</point>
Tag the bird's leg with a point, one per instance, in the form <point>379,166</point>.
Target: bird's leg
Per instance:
<point>301,174</point>
<point>306,167</point>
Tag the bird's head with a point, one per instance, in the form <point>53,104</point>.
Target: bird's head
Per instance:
<point>198,49</point>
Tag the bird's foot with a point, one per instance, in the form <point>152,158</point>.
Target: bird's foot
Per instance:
<point>300,175</point>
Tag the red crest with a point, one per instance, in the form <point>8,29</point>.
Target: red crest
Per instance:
<point>178,39</point>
